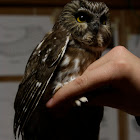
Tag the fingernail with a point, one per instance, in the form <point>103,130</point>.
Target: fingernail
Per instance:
<point>50,103</point>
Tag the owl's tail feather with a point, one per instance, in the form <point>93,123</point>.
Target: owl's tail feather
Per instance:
<point>23,110</point>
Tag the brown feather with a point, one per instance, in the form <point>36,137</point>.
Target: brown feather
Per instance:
<point>62,55</point>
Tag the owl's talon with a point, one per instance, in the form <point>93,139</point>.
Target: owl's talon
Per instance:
<point>57,87</point>
<point>83,99</point>
<point>60,85</point>
<point>78,103</point>
<point>65,83</point>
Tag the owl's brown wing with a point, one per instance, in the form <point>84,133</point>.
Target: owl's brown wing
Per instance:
<point>39,70</point>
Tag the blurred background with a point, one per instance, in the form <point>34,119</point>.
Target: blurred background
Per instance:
<point>23,24</point>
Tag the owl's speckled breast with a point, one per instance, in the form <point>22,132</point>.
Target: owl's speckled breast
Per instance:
<point>73,64</point>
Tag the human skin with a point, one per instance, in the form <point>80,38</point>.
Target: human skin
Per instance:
<point>118,69</point>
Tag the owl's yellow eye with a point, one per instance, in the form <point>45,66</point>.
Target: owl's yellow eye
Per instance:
<point>81,19</point>
<point>103,19</point>
<point>104,23</point>
<point>83,16</point>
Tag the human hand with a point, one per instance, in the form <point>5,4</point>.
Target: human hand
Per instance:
<point>119,69</point>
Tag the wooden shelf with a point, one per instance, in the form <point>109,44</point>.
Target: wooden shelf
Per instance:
<point>12,78</point>
<point>118,4</point>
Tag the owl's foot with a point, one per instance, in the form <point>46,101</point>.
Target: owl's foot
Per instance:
<point>80,101</point>
<point>59,85</point>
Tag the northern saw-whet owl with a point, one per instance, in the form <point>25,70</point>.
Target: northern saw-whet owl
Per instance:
<point>80,34</point>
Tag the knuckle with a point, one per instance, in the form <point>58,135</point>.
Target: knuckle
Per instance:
<point>119,51</point>
<point>122,67</point>
<point>121,63</point>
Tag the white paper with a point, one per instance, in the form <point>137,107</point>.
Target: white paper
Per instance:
<point>134,128</point>
<point>7,95</point>
<point>19,35</point>
<point>134,44</point>
<point>109,125</point>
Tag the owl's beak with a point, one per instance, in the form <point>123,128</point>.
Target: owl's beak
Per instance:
<point>95,28</point>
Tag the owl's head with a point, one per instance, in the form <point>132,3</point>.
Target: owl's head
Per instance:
<point>88,22</point>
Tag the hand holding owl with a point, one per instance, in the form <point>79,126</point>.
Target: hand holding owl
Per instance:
<point>118,68</point>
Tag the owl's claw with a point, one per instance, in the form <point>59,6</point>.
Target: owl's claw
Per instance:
<point>80,101</point>
<point>59,85</point>
<point>77,102</point>
<point>83,99</point>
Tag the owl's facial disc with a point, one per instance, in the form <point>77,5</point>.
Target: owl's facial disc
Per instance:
<point>94,28</point>
<point>88,22</point>
<point>95,24</point>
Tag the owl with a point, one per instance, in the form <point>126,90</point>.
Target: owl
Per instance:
<point>80,34</point>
